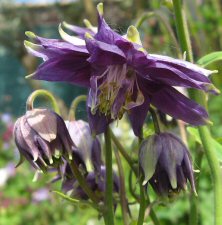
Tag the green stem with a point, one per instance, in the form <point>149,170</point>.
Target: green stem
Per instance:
<point>142,203</point>
<point>204,132</point>
<point>217,10</point>
<point>123,152</point>
<point>123,199</point>
<point>194,201</point>
<point>82,182</point>
<point>154,217</point>
<point>215,171</point>
<point>164,21</point>
<point>142,195</point>
<point>108,214</point>
<point>182,30</point>
<point>42,93</point>
<point>74,105</point>
<point>131,188</point>
<point>155,120</point>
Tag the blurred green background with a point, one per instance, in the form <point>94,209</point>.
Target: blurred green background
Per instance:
<point>25,202</point>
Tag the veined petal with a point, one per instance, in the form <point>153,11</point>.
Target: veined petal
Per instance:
<point>80,31</point>
<point>56,44</point>
<point>137,116</point>
<point>183,64</point>
<point>104,54</point>
<point>172,76</point>
<point>65,68</point>
<point>187,72</point>
<point>173,103</point>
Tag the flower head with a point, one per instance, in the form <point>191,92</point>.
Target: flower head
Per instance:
<point>165,163</point>
<point>42,138</point>
<point>86,153</point>
<point>121,75</point>
<point>87,147</point>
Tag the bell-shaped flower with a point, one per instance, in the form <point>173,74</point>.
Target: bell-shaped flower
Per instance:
<point>87,156</point>
<point>42,138</point>
<point>87,147</point>
<point>166,163</point>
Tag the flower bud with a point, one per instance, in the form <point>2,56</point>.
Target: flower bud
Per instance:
<point>96,184</point>
<point>89,148</point>
<point>166,163</point>
<point>42,138</point>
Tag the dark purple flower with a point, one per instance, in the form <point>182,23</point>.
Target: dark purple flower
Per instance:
<point>96,183</point>
<point>122,76</point>
<point>42,138</point>
<point>166,163</point>
<point>87,156</point>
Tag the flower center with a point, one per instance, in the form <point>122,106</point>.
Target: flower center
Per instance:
<point>117,91</point>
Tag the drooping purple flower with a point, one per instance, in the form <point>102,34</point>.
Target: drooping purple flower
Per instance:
<point>166,163</point>
<point>87,151</point>
<point>42,138</point>
<point>96,184</point>
<point>88,148</point>
<point>122,76</point>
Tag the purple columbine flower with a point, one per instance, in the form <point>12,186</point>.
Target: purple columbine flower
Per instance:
<point>42,138</point>
<point>122,76</point>
<point>166,164</point>
<point>87,156</point>
<point>88,148</point>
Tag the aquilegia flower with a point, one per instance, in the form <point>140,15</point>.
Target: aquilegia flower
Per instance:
<point>88,150</point>
<point>42,138</point>
<point>165,163</point>
<point>121,76</point>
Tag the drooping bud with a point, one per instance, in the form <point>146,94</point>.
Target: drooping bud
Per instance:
<point>96,184</point>
<point>166,164</point>
<point>42,138</point>
<point>88,147</point>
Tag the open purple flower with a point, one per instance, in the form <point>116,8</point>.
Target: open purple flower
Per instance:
<point>122,76</point>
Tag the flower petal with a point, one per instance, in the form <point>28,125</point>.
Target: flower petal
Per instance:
<point>104,54</point>
<point>138,115</point>
<point>66,68</point>
<point>172,102</point>
<point>177,72</point>
<point>80,31</point>
<point>98,122</point>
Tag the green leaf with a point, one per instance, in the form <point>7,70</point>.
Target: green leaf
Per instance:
<point>210,58</point>
<point>66,197</point>
<point>77,202</point>
<point>216,145</point>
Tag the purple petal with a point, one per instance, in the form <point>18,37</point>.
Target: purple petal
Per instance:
<point>104,54</point>
<point>137,116</point>
<point>98,122</point>
<point>105,33</point>
<point>66,68</point>
<point>56,44</point>
<point>96,155</point>
<point>177,72</point>
<point>172,102</point>
<point>80,31</point>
